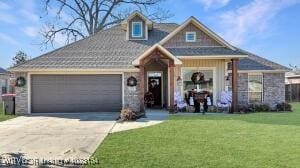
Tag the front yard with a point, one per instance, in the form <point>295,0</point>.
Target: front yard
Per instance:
<point>250,140</point>
<point>2,116</point>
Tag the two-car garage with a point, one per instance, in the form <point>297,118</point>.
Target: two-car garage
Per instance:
<point>76,93</point>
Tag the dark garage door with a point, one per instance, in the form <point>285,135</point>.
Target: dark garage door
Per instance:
<point>76,93</point>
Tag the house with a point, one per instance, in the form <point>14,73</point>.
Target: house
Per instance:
<point>292,78</point>
<point>292,86</point>
<point>4,79</point>
<point>116,67</point>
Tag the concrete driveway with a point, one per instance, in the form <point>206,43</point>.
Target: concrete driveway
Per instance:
<point>54,136</point>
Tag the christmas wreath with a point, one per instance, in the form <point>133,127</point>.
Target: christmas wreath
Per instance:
<point>197,78</point>
<point>131,81</point>
<point>20,82</point>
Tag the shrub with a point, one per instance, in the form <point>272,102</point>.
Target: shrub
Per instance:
<point>245,109</point>
<point>250,108</point>
<point>261,108</point>
<point>283,107</point>
<point>127,114</point>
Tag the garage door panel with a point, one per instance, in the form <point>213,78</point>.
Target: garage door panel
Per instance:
<point>76,93</point>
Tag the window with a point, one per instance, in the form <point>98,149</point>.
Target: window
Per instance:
<point>206,85</point>
<point>255,89</point>
<point>190,37</point>
<point>137,29</point>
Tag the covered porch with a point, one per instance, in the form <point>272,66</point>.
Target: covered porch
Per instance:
<point>158,67</point>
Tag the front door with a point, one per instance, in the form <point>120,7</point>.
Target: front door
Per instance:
<point>155,87</point>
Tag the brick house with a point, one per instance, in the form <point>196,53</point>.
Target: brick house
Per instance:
<point>92,74</point>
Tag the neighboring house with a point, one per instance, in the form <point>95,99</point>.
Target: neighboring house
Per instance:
<point>91,74</point>
<point>292,88</point>
<point>292,78</point>
<point>4,79</point>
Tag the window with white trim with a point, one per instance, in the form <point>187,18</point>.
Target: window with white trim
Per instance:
<point>137,29</point>
<point>255,88</point>
<point>206,85</point>
<point>190,36</point>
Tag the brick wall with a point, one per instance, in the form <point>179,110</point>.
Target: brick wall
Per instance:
<point>274,88</point>
<point>131,94</point>
<point>242,88</point>
<point>22,96</point>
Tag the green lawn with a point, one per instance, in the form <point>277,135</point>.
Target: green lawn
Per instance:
<point>249,140</point>
<point>2,116</point>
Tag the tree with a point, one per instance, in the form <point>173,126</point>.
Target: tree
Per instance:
<point>295,69</point>
<point>20,58</point>
<point>76,19</point>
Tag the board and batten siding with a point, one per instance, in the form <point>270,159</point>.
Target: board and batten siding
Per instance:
<point>218,64</point>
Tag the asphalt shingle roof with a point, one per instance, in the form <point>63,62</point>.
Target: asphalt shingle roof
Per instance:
<point>254,62</point>
<point>202,51</point>
<point>109,49</point>
<point>106,49</point>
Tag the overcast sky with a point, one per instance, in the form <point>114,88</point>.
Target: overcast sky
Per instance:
<point>269,28</point>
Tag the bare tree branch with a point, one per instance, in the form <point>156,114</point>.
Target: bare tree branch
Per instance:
<point>76,19</point>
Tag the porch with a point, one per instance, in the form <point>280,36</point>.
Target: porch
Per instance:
<point>158,67</point>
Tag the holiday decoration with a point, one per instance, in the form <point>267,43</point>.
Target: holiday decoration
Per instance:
<point>197,78</point>
<point>20,82</point>
<point>131,81</point>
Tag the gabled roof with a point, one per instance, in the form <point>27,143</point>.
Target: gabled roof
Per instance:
<point>197,23</point>
<point>139,14</point>
<point>161,49</point>
<point>107,49</point>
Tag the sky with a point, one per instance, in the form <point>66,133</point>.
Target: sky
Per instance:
<point>269,28</point>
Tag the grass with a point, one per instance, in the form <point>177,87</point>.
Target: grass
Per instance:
<point>2,116</point>
<point>249,140</point>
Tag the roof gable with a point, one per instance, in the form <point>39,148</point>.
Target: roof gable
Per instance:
<point>153,48</point>
<point>193,21</point>
<point>139,15</point>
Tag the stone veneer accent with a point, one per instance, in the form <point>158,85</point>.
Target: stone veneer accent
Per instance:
<point>131,94</point>
<point>274,88</point>
<point>21,96</point>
